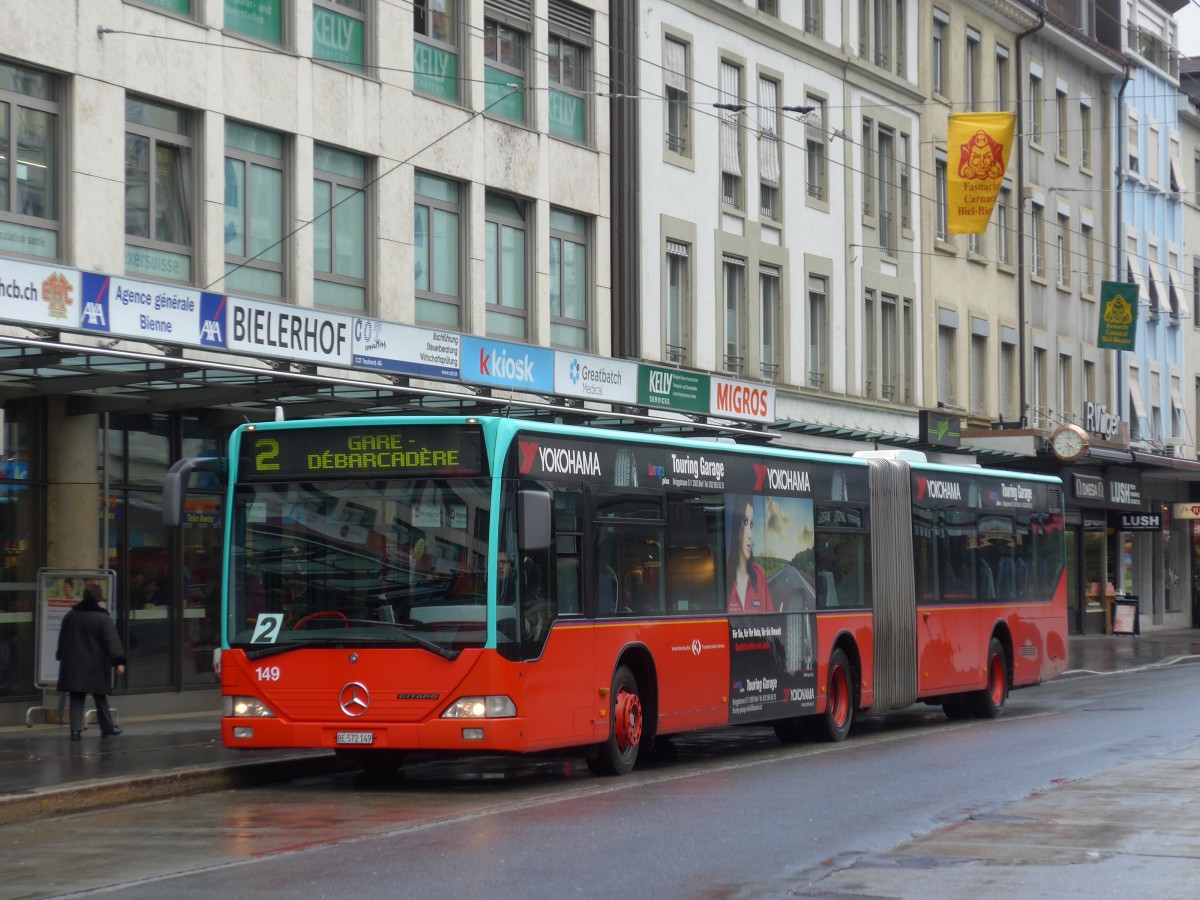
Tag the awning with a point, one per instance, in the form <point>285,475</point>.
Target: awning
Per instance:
<point>1135,396</point>
<point>1177,183</point>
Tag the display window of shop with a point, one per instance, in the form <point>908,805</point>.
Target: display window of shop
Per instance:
<point>168,584</point>
<point>22,529</point>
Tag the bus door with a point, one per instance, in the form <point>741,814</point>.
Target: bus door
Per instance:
<point>550,641</point>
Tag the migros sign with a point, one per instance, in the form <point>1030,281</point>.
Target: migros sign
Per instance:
<point>739,400</point>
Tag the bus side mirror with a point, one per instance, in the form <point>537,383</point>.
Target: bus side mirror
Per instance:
<point>175,485</point>
<point>533,520</point>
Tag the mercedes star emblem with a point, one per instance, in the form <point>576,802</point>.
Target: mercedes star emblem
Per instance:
<point>354,699</point>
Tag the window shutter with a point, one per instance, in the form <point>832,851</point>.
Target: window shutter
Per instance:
<point>730,163</point>
<point>570,21</point>
<point>768,142</point>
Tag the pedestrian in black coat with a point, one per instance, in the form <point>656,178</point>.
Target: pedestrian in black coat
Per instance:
<point>88,648</point>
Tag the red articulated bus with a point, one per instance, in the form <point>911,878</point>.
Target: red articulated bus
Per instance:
<point>395,586</point>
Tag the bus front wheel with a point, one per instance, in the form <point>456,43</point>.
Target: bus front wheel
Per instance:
<point>834,723</point>
<point>990,702</point>
<point>619,753</point>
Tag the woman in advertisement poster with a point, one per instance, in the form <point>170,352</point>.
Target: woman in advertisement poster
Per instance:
<point>748,591</point>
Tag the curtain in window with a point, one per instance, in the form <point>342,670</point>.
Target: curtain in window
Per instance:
<point>768,144</point>
<point>675,73</point>
<point>730,161</point>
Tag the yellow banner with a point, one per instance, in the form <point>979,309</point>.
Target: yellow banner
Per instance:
<point>978,147</point>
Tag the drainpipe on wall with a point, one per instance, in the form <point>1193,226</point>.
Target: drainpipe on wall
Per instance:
<point>625,191</point>
<point>1021,117</point>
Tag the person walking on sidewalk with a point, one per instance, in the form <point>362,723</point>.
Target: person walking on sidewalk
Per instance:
<point>88,649</point>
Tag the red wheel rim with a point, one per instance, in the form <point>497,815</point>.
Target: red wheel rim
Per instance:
<point>839,696</point>
<point>996,679</point>
<point>628,724</point>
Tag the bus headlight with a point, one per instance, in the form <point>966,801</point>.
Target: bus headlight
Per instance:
<point>246,707</point>
<point>496,707</point>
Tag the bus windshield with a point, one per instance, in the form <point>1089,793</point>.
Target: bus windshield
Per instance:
<point>387,562</point>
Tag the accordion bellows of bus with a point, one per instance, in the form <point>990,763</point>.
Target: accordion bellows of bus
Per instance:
<point>479,585</point>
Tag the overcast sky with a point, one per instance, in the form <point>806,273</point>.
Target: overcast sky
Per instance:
<point>1189,29</point>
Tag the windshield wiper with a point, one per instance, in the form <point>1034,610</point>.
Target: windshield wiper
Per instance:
<point>443,652</point>
<point>275,649</point>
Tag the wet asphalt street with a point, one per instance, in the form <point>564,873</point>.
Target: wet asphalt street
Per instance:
<point>1084,788</point>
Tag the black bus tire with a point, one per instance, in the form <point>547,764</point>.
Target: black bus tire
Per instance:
<point>618,754</point>
<point>990,702</point>
<point>834,723</point>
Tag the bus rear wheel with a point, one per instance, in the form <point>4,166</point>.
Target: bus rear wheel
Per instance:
<point>834,723</point>
<point>619,753</point>
<point>990,702</point>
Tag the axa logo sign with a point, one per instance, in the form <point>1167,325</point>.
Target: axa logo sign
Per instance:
<point>796,480</point>
<point>936,489</point>
<point>94,315</point>
<point>511,365</point>
<point>212,320</point>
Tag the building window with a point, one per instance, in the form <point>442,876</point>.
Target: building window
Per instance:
<point>1132,136</point>
<point>1062,122</point>
<point>1175,161</point>
<point>678,97</point>
<point>679,304</point>
<point>1196,296</point>
<point>889,349</point>
<point>505,260</point>
<point>813,15</point>
<point>1008,367</point>
<point>254,211</point>
<point>905,185</point>
<point>731,135</point>
<point>29,189</point>
<point>1064,388</point>
<point>814,148</point>
<point>1037,239</point>
<point>770,322</point>
<point>1085,135</point>
<point>1003,205</point>
<point>1086,249</point>
<point>437,239</point>
<point>1152,153</point>
<point>1038,418</point>
<point>941,224</point>
<point>183,7</point>
<point>768,149</point>
<point>906,349</point>
<point>945,365</point>
<point>261,20</point>
<point>868,351</point>
<point>158,191</point>
<point>339,229</point>
<point>818,336</point>
<point>868,167</point>
<point>887,191</point>
<point>1196,178</point>
<point>734,281</point>
<point>1089,382</point>
<point>1001,78</point>
<point>972,69</point>
<point>505,42</point>
<point>1064,251</point>
<point>770,7</point>
<point>1035,108</point>
<point>570,67</point>
<point>875,31</point>
<point>435,48</point>
<point>937,65</point>
<point>978,370</point>
<point>339,29</point>
<point>568,279</point>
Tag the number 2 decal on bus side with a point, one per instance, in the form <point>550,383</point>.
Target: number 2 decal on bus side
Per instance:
<point>267,628</point>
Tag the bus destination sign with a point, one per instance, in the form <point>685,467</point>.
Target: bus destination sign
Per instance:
<point>371,451</point>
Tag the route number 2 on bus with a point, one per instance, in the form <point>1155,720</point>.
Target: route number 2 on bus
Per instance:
<point>267,628</point>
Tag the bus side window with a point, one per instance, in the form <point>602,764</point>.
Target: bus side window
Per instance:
<point>568,543</point>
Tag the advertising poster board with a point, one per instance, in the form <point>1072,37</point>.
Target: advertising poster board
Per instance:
<point>57,591</point>
<point>1125,615</point>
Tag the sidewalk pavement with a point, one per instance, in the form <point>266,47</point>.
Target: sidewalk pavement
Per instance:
<point>43,773</point>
